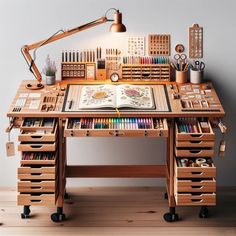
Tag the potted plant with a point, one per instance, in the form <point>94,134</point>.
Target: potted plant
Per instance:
<point>50,71</point>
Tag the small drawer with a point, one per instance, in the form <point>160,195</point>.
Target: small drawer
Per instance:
<point>199,133</point>
<point>197,185</point>
<point>36,186</point>
<point>194,152</point>
<point>37,147</point>
<point>36,173</point>
<point>35,124</point>
<point>194,199</point>
<point>195,172</point>
<point>122,127</point>
<point>38,136</point>
<point>36,199</point>
<point>38,158</point>
<point>194,143</point>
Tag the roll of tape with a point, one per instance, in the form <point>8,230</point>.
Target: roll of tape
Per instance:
<point>204,165</point>
<point>200,161</point>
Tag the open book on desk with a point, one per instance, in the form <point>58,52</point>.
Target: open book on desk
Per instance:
<point>116,96</point>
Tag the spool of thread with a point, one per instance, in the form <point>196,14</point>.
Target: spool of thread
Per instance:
<point>204,165</point>
<point>200,161</point>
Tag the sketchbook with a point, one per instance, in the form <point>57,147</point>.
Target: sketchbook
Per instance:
<point>116,96</point>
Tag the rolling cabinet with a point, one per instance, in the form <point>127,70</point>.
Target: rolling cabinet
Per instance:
<point>37,178</point>
<point>194,170</point>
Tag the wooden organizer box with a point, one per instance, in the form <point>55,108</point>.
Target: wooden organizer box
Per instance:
<point>115,132</point>
<point>78,70</point>
<point>147,72</point>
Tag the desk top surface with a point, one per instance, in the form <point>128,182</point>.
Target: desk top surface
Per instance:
<point>185,100</point>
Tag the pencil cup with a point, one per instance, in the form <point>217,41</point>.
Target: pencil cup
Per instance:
<point>196,76</point>
<point>181,76</point>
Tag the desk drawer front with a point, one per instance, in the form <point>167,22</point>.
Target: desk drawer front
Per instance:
<point>36,187</point>
<point>116,127</point>
<point>37,147</point>
<point>194,143</point>
<point>189,129</point>
<point>195,172</point>
<point>36,199</point>
<point>190,199</point>
<point>203,186</point>
<point>36,173</point>
<point>194,152</point>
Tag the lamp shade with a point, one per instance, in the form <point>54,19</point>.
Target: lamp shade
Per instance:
<point>117,26</point>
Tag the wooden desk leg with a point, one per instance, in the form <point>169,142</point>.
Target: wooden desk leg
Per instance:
<point>59,215</point>
<point>171,215</point>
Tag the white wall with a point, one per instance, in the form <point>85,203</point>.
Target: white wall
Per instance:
<point>24,22</point>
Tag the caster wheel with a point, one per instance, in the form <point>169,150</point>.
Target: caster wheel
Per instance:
<point>168,217</point>
<point>66,195</point>
<point>55,217</point>
<point>203,213</point>
<point>165,196</point>
<point>23,216</point>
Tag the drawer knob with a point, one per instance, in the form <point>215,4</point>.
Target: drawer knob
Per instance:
<point>87,133</point>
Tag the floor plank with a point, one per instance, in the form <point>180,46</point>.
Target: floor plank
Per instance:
<point>125,211</point>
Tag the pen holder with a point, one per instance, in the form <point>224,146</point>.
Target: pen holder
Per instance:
<point>181,76</point>
<point>196,76</point>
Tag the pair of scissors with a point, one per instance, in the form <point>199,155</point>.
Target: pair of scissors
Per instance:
<point>199,65</point>
<point>180,58</point>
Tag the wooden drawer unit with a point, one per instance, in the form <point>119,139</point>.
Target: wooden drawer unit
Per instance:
<point>38,136</point>
<point>37,147</point>
<point>195,172</point>
<point>195,199</point>
<point>36,199</point>
<point>186,134</point>
<point>194,152</point>
<point>27,186</point>
<point>194,143</point>
<point>122,127</point>
<point>35,124</point>
<point>196,185</point>
<point>40,173</point>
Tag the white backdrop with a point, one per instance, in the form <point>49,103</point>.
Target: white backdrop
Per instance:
<point>24,22</point>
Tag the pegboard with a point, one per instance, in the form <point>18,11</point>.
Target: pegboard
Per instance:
<point>159,44</point>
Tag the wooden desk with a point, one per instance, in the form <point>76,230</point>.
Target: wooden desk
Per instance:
<point>51,174</point>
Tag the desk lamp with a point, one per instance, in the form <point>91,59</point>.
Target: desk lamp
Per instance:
<point>116,26</point>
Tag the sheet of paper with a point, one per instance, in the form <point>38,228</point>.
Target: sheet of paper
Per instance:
<point>34,95</point>
<point>34,104</point>
<point>23,95</point>
<point>20,102</point>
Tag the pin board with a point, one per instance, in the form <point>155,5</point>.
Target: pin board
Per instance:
<point>195,41</point>
<point>159,44</point>
<point>136,46</point>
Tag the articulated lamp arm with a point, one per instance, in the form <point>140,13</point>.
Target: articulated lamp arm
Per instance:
<point>30,61</point>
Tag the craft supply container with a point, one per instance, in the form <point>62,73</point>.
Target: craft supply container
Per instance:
<point>181,76</point>
<point>196,76</point>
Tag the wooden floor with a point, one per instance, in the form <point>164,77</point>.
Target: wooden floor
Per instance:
<point>118,211</point>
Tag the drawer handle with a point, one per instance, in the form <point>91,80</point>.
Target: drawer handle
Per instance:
<point>196,135</point>
<point>36,173</point>
<point>34,200</point>
<point>195,151</point>
<point>197,173</point>
<point>195,141</point>
<point>196,200</point>
<point>36,187</point>
<point>198,187</point>
<point>36,146</point>
<point>36,136</point>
